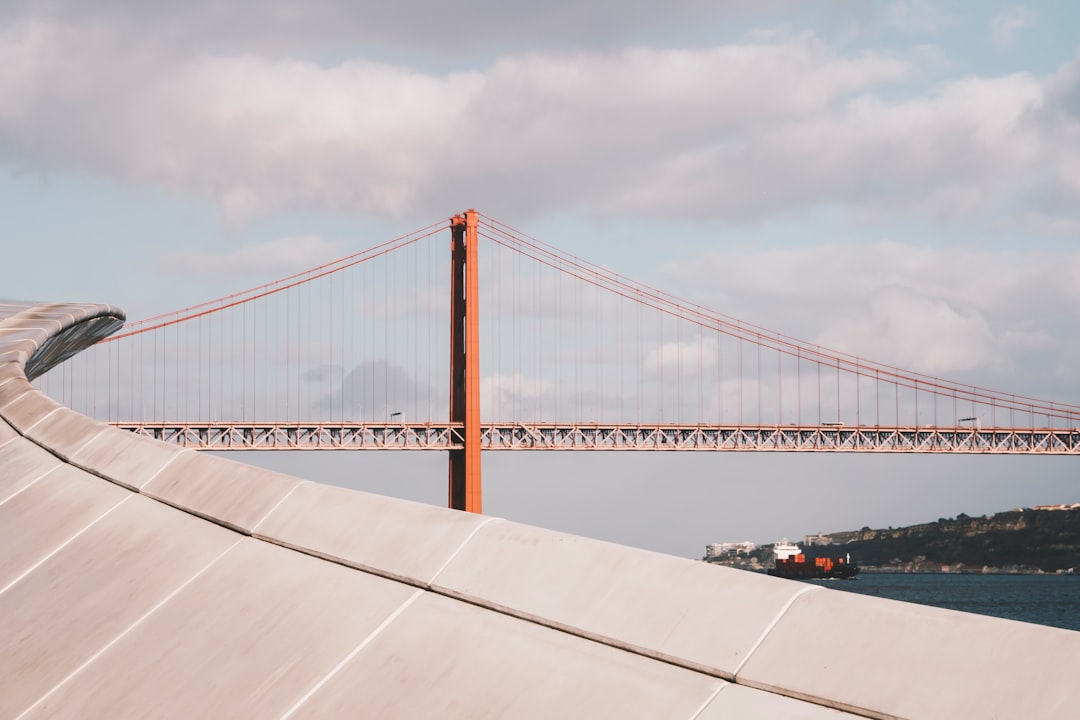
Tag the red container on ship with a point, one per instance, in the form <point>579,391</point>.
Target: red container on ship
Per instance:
<point>792,563</point>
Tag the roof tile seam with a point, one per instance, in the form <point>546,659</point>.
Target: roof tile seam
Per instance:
<point>101,474</point>
<point>138,621</point>
<point>825,702</point>
<point>201,515</point>
<point>255,526</point>
<point>54,468</point>
<point>30,484</point>
<point>772,624</point>
<point>709,701</point>
<point>464,543</point>
<point>11,402</point>
<point>43,418</point>
<point>23,434</point>
<point>36,344</point>
<point>82,447</point>
<point>352,654</point>
<point>600,638</point>
<point>813,699</point>
<point>344,562</point>
<point>63,545</point>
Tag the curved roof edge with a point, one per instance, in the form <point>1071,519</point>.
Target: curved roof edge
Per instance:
<point>148,579</point>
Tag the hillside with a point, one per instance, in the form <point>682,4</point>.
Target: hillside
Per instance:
<point>1041,539</point>
<point>1016,540</point>
<point>1020,540</point>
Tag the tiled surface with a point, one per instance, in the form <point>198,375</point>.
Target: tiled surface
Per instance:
<point>12,389</point>
<point>64,431</point>
<point>124,458</point>
<point>395,538</point>
<point>912,661</point>
<point>10,371</point>
<point>447,659</point>
<point>228,492</point>
<point>69,327</point>
<point>619,594</point>
<point>21,463</point>
<point>246,639</point>
<point>36,335</point>
<point>736,702</point>
<point>6,432</point>
<point>89,592</point>
<point>47,514</point>
<point>28,409</point>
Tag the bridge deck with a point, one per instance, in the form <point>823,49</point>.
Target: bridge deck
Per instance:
<point>553,436</point>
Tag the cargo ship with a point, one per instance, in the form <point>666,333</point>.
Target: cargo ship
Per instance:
<point>792,563</point>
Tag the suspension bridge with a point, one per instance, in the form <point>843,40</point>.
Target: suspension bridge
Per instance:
<point>469,335</point>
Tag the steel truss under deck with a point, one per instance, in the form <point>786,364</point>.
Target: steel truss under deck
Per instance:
<point>552,436</point>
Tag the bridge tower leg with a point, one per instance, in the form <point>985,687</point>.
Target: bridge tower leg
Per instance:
<point>465,493</point>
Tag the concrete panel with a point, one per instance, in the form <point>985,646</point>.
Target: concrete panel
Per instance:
<point>229,492</point>
<point>45,321</point>
<point>10,371</point>
<point>9,355</point>
<point>17,357</point>
<point>736,702</point>
<point>7,432</point>
<point>28,409</point>
<point>84,596</point>
<point>891,659</point>
<point>21,463</point>
<point>244,640</point>
<point>13,388</point>
<point>35,335</point>
<point>45,314</point>
<point>400,539</point>
<point>446,659</point>
<point>124,457</point>
<point>13,343</point>
<point>47,514</point>
<point>65,431</point>
<point>10,307</point>
<point>699,615</point>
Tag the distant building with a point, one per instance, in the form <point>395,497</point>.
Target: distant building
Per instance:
<point>721,550</point>
<point>818,539</point>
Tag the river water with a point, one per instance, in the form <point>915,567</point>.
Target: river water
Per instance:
<point>1042,599</point>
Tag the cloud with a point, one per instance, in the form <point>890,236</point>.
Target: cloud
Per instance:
<point>994,318</point>
<point>923,333</point>
<point>1007,24</point>
<point>267,260</point>
<point>735,132</point>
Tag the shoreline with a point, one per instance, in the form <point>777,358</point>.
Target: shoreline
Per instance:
<point>878,570</point>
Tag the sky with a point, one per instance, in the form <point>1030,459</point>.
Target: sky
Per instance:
<point>900,180</point>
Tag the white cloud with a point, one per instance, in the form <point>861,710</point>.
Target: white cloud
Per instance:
<point>734,132</point>
<point>926,334</point>
<point>1007,24</point>
<point>994,318</point>
<point>267,260</point>
<point>672,357</point>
